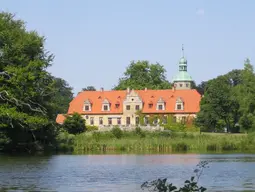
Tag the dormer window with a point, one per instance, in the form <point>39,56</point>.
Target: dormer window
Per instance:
<point>179,105</point>
<point>87,105</point>
<point>106,105</point>
<point>161,104</point>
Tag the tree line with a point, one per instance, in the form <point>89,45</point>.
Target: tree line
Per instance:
<point>31,97</point>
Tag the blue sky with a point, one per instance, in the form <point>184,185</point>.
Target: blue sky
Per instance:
<point>94,40</point>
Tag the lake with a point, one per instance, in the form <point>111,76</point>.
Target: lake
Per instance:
<point>226,172</point>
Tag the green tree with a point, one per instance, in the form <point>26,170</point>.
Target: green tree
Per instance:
<point>201,87</point>
<point>74,124</point>
<point>89,88</point>
<point>27,90</point>
<point>62,95</point>
<point>142,74</point>
<point>219,103</point>
<point>246,95</point>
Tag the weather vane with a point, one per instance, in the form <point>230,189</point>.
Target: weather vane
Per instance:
<point>182,50</point>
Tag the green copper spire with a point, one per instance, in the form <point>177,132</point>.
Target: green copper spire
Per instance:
<point>182,75</point>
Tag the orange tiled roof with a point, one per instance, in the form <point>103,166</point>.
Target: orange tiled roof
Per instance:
<point>60,118</point>
<point>191,99</point>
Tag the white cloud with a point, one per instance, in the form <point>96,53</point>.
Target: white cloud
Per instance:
<point>200,11</point>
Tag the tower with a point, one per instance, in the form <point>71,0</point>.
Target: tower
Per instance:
<point>182,80</point>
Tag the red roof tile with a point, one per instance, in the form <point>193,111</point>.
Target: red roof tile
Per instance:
<point>60,118</point>
<point>191,99</point>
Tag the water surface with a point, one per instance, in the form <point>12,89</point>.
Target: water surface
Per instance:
<point>227,172</point>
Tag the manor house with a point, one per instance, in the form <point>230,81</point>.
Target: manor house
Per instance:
<point>107,108</point>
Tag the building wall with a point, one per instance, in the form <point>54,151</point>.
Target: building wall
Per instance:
<point>105,117</point>
<point>182,85</point>
<point>132,100</point>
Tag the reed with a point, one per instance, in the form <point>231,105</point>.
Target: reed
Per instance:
<point>162,142</point>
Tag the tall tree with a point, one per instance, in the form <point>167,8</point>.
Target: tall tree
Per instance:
<point>246,95</point>
<point>218,103</point>
<point>89,88</point>
<point>142,74</point>
<point>27,90</point>
<point>200,87</point>
<point>63,95</point>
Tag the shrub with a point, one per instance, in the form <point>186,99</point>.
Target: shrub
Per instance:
<point>65,141</point>
<point>91,128</point>
<point>117,132</point>
<point>140,132</point>
<point>74,124</point>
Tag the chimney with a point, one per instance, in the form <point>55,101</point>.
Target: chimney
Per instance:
<point>173,88</point>
<point>101,89</point>
<point>128,90</point>
<point>145,89</point>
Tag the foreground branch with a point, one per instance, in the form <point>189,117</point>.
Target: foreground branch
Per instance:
<point>4,96</point>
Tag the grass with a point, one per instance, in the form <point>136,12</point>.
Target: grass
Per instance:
<point>163,142</point>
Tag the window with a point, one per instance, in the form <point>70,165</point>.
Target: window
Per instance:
<point>160,107</point>
<point>150,105</point>
<point>86,107</point>
<point>109,121</point>
<point>187,85</point>
<point>137,107</point>
<point>119,121</point>
<point>117,105</point>
<point>128,120</point>
<point>180,85</point>
<point>183,120</point>
<point>105,107</point>
<point>91,120</point>
<point>164,120</point>
<point>179,106</point>
<point>137,120</point>
<point>155,122</point>
<point>174,119</point>
<point>146,120</point>
<point>127,107</point>
<point>100,120</point>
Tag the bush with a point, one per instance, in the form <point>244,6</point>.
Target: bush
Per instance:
<point>91,128</point>
<point>74,124</point>
<point>65,141</point>
<point>117,132</point>
<point>140,132</point>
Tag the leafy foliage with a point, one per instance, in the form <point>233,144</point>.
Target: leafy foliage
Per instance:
<point>142,75</point>
<point>62,95</point>
<point>28,93</point>
<point>229,101</point>
<point>91,128</point>
<point>89,88</point>
<point>161,185</point>
<point>117,132</point>
<point>74,124</point>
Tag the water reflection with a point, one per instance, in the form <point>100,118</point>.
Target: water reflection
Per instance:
<point>229,172</point>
